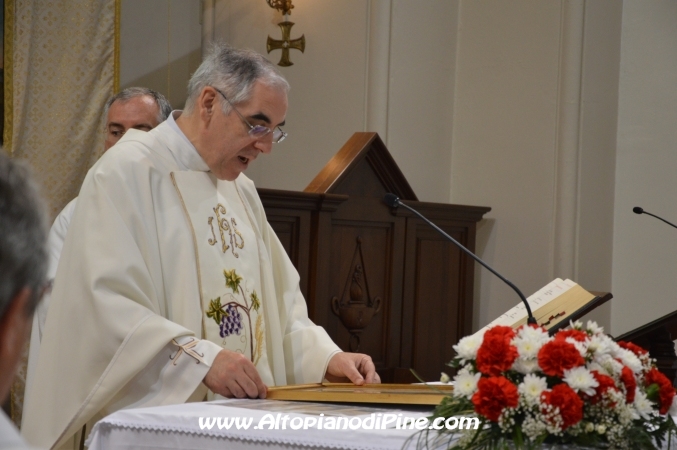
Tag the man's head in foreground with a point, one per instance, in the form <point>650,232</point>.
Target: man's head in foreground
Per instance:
<point>23,263</point>
<point>135,107</point>
<point>237,102</point>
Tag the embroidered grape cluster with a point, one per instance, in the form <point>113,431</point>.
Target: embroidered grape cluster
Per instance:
<point>231,322</point>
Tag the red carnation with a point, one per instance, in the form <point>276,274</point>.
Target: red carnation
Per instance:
<point>578,335</point>
<point>628,380</point>
<point>493,395</point>
<point>496,354</point>
<point>665,390</point>
<point>570,405</point>
<point>636,349</point>
<point>605,383</point>
<point>557,356</point>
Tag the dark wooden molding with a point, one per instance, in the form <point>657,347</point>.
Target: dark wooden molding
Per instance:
<point>360,146</point>
<point>275,198</point>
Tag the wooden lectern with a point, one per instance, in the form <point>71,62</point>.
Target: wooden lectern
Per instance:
<point>380,281</point>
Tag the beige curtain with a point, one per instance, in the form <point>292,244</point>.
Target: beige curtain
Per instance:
<point>60,67</point>
<point>62,72</point>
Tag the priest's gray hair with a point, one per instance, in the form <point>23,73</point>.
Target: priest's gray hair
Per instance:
<point>23,234</point>
<point>234,72</point>
<point>164,108</point>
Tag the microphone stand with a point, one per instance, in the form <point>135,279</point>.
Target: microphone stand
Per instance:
<point>393,201</point>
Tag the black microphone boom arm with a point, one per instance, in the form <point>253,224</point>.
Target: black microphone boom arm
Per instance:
<point>639,210</point>
<point>392,201</point>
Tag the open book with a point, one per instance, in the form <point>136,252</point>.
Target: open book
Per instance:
<point>551,305</point>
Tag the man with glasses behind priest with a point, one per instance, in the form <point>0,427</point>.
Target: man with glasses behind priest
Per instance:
<point>177,289</point>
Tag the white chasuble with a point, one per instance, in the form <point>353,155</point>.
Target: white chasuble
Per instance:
<point>229,267</point>
<point>128,323</point>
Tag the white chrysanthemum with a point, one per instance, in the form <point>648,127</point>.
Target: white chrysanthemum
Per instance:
<point>527,348</point>
<point>580,379</point>
<point>465,383</point>
<point>609,364</point>
<point>642,405</point>
<point>532,387</point>
<point>468,346</point>
<point>533,334</point>
<point>525,366</point>
<point>614,348</point>
<point>629,359</point>
<point>578,325</point>
<point>529,341</point>
<point>593,328</point>
<point>600,344</point>
<point>444,378</point>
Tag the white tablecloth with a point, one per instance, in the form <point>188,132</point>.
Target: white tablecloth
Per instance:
<point>178,427</point>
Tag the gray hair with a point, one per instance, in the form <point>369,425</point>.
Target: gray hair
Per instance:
<point>234,72</point>
<point>165,109</point>
<point>23,234</point>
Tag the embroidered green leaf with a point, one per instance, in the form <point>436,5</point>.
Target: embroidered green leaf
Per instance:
<point>232,279</point>
<point>256,302</point>
<point>216,311</point>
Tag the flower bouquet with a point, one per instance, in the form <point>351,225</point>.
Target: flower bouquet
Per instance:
<point>576,388</point>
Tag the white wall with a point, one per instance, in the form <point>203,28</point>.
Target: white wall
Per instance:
<point>376,65</point>
<point>645,249</point>
<point>160,45</point>
<point>504,136</point>
<point>560,115</point>
<point>598,129</point>
<point>534,138</point>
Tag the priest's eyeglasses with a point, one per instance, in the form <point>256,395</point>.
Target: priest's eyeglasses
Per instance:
<point>257,131</point>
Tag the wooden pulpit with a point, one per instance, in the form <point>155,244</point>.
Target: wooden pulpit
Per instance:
<point>379,280</point>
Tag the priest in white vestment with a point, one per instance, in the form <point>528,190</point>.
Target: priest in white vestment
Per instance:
<point>136,108</point>
<point>172,286</point>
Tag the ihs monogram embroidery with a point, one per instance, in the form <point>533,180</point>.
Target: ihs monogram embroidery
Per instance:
<point>231,228</point>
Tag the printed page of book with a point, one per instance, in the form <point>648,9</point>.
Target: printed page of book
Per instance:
<point>563,307</point>
<point>518,314</point>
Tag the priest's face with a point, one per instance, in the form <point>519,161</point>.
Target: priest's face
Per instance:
<point>228,148</point>
<point>139,112</point>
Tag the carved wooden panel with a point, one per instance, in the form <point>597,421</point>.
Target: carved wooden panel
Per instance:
<point>379,280</point>
<point>289,215</point>
<point>361,233</point>
<point>436,325</point>
<point>358,289</point>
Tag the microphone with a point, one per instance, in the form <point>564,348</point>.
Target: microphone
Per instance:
<point>638,210</point>
<point>393,201</point>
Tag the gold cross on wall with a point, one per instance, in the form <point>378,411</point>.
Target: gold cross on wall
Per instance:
<point>286,43</point>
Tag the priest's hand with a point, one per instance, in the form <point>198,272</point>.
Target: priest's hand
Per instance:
<point>355,367</point>
<point>234,375</point>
